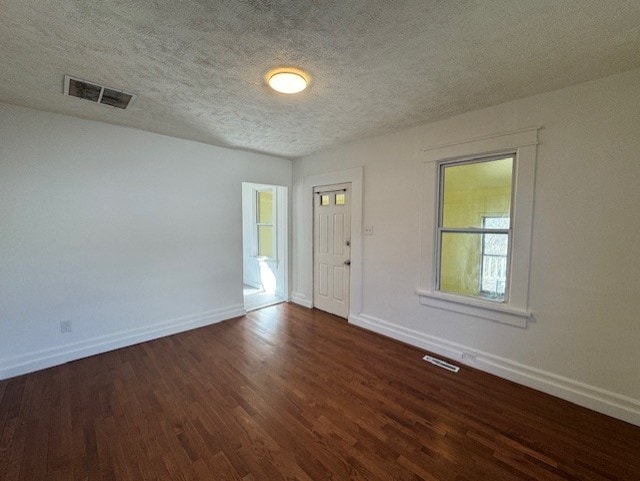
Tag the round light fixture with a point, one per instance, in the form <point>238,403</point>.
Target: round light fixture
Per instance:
<point>287,81</point>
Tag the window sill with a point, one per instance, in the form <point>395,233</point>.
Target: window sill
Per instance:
<point>475,307</point>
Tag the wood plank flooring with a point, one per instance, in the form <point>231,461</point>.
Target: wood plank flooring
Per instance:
<point>288,393</point>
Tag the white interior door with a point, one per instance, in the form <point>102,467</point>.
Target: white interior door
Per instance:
<point>332,248</point>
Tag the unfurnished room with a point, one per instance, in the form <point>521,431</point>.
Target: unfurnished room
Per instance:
<point>261,240</point>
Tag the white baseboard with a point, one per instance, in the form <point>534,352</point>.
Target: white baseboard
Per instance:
<point>301,299</point>
<point>34,361</point>
<point>592,397</point>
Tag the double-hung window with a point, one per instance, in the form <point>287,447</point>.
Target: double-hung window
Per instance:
<point>477,221</point>
<point>474,227</point>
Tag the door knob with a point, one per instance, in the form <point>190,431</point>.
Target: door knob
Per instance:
<point>347,263</point>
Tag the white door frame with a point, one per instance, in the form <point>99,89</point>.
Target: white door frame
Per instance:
<point>304,296</point>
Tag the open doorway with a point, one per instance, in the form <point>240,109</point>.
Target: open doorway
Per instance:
<point>265,249</point>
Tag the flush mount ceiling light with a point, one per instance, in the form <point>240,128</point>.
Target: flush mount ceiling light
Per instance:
<point>287,80</point>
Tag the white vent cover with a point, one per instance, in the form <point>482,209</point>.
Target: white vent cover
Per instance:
<point>76,87</point>
<point>441,363</point>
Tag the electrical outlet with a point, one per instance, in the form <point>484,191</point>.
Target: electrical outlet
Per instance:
<point>468,357</point>
<point>368,230</point>
<point>65,326</point>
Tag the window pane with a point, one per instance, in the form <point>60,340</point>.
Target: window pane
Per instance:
<point>496,244</point>
<point>495,248</point>
<point>340,199</point>
<point>467,270</point>
<point>324,199</point>
<point>494,276</point>
<point>474,191</point>
<point>265,207</point>
<point>265,241</point>
<point>460,263</point>
<point>496,222</point>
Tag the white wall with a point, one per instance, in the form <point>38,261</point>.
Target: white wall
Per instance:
<point>127,234</point>
<point>582,342</point>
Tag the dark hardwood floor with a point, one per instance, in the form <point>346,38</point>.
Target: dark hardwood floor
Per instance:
<point>291,393</point>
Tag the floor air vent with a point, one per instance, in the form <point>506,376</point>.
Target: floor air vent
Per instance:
<point>440,363</point>
<point>82,89</point>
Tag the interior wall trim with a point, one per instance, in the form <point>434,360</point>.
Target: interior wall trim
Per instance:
<point>601,400</point>
<point>301,300</point>
<point>36,360</point>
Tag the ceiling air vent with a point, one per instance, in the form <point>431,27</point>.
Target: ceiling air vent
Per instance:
<point>82,89</point>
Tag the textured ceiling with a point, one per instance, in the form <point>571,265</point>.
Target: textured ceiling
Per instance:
<point>198,66</point>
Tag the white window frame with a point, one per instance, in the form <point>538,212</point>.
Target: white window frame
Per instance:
<point>257,225</point>
<point>515,310</point>
<point>441,229</point>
